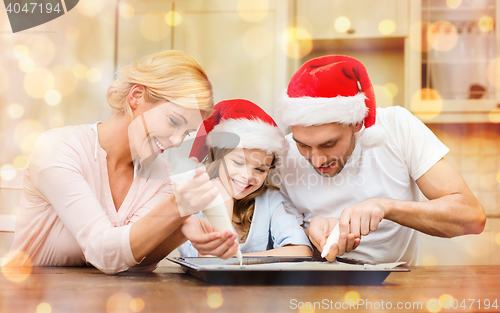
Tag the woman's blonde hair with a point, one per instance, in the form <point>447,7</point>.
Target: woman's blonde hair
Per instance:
<point>243,208</point>
<point>174,76</point>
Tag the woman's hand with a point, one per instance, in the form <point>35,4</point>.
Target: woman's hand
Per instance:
<point>208,242</point>
<point>224,193</point>
<point>228,199</point>
<point>194,196</point>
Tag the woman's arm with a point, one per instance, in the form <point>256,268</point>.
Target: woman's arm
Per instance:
<point>228,199</point>
<point>109,247</point>
<point>165,221</point>
<point>157,233</point>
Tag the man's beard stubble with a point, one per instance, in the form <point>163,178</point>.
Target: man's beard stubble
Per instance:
<point>340,161</point>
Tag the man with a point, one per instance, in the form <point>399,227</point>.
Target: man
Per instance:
<point>359,166</point>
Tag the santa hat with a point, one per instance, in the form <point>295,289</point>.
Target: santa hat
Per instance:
<point>332,89</point>
<point>238,123</point>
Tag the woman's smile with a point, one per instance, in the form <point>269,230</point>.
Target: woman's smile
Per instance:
<point>159,145</point>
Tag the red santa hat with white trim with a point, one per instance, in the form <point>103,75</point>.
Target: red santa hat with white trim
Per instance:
<point>253,127</point>
<point>332,89</point>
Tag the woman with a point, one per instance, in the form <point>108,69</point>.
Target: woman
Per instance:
<point>97,194</point>
<point>245,144</point>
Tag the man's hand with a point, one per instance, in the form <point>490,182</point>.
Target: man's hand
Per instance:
<point>208,242</point>
<point>355,221</point>
<point>359,220</point>
<point>319,229</point>
<point>318,232</point>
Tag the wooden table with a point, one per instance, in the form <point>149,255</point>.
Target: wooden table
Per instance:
<point>71,289</point>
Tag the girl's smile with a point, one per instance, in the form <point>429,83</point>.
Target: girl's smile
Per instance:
<point>243,171</point>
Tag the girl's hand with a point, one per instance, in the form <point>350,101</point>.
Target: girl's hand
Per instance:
<point>208,242</point>
<point>194,196</point>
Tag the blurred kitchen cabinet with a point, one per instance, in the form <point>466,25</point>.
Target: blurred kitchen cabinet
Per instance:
<point>239,45</point>
<point>358,18</point>
<point>452,61</point>
<point>142,29</point>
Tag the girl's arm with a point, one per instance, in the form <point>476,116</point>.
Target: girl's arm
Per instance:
<point>288,250</point>
<point>288,236</point>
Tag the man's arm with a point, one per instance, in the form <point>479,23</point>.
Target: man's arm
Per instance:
<point>453,210</point>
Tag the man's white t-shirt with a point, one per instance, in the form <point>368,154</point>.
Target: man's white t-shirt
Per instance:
<point>388,170</point>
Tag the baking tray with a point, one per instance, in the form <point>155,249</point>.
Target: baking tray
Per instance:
<point>285,271</point>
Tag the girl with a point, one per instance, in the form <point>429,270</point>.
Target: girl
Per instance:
<point>97,194</point>
<point>245,144</point>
